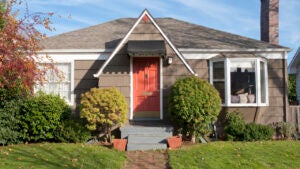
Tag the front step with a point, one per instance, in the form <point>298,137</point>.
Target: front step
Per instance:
<point>146,137</point>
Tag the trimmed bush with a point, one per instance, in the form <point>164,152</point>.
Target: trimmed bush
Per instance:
<point>103,109</point>
<point>194,104</point>
<point>237,130</point>
<point>257,132</point>
<point>72,131</point>
<point>234,126</point>
<point>41,115</point>
<point>9,122</point>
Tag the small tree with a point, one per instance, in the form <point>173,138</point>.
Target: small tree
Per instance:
<point>103,109</point>
<point>194,104</point>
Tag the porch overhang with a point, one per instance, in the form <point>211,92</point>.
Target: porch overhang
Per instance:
<point>146,48</point>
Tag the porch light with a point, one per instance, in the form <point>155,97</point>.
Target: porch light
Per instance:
<point>170,60</point>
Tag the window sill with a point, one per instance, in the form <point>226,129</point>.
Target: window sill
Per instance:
<point>245,105</point>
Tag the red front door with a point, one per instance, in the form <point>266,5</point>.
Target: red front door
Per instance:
<point>146,88</point>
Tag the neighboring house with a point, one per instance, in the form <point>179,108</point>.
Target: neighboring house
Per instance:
<point>143,57</point>
<point>294,68</point>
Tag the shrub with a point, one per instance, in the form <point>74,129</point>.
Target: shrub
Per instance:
<point>257,132</point>
<point>9,122</point>
<point>193,104</point>
<point>237,130</point>
<point>292,89</point>
<point>72,131</point>
<point>284,129</point>
<point>41,115</point>
<point>103,108</point>
<point>234,126</point>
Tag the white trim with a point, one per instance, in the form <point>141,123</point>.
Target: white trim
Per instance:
<point>227,63</point>
<point>131,88</point>
<point>172,46</point>
<point>211,55</point>
<point>72,97</point>
<point>161,88</point>
<point>75,51</point>
<point>120,45</point>
<point>74,56</point>
<point>192,50</point>
<point>227,82</point>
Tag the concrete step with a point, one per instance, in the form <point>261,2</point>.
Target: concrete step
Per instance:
<point>160,130</point>
<point>134,146</point>
<point>147,138</point>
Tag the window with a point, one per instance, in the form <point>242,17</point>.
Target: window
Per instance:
<point>58,85</point>
<point>240,82</point>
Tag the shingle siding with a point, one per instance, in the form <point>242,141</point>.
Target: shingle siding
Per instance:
<point>83,78</point>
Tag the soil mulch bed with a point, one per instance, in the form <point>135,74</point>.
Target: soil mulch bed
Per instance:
<point>154,159</point>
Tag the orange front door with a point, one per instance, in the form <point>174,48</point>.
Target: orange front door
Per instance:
<point>146,88</point>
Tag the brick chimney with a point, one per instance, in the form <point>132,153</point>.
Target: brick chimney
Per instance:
<point>269,21</point>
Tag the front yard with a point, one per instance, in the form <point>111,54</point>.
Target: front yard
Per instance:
<point>60,156</point>
<point>265,154</point>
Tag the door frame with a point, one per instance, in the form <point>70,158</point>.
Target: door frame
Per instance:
<point>160,88</point>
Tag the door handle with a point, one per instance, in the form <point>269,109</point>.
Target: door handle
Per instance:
<point>146,76</point>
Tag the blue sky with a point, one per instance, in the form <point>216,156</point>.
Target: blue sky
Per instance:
<point>240,17</point>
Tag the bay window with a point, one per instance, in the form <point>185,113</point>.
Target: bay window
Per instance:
<point>240,81</point>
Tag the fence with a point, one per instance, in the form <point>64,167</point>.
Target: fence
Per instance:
<point>294,116</point>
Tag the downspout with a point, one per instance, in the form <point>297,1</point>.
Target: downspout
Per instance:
<point>285,85</point>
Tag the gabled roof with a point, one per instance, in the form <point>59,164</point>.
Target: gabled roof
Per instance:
<point>182,34</point>
<point>292,68</point>
<point>146,14</point>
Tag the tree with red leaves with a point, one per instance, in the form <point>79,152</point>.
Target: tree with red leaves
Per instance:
<point>19,44</point>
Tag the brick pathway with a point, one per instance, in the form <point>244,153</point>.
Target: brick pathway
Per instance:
<point>157,159</point>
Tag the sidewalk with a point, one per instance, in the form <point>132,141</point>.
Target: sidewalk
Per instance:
<point>157,159</point>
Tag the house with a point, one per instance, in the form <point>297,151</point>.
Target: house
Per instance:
<point>143,57</point>
<point>294,68</point>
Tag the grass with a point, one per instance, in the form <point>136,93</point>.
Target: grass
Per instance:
<point>56,156</point>
<point>267,154</point>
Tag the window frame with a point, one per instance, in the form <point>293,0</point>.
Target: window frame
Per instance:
<point>227,76</point>
<point>72,95</point>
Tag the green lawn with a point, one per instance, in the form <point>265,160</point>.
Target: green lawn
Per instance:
<point>267,154</point>
<point>56,156</point>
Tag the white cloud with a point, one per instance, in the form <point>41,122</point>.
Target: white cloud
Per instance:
<point>66,2</point>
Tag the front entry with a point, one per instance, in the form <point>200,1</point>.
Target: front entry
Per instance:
<point>146,88</point>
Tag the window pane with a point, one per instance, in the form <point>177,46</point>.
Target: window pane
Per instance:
<point>218,78</point>
<point>263,82</point>
<point>218,70</point>
<point>57,85</point>
<point>242,82</point>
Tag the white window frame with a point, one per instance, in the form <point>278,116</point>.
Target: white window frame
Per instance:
<point>227,63</point>
<point>72,95</point>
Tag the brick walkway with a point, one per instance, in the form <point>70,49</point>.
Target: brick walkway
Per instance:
<point>147,160</point>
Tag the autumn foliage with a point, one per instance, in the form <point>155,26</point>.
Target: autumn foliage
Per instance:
<point>19,44</point>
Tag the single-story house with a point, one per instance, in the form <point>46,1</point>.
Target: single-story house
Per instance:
<point>143,57</point>
<point>294,68</point>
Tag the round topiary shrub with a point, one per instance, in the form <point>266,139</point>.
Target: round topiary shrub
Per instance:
<point>103,109</point>
<point>193,104</point>
<point>41,115</point>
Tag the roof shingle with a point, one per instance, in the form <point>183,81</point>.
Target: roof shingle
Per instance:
<point>182,34</point>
